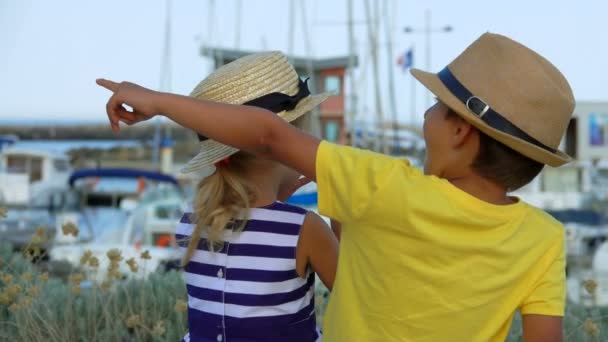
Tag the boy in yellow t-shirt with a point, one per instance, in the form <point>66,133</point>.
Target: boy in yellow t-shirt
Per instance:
<point>444,255</point>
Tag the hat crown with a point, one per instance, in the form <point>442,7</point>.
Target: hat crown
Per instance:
<point>248,78</point>
<point>519,84</point>
<point>251,78</point>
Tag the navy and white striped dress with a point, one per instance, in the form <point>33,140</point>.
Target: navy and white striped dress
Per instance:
<point>250,290</point>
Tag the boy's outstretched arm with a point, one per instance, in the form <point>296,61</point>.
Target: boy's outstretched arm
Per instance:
<point>541,328</point>
<point>248,128</point>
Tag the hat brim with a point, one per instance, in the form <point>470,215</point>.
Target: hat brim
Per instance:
<point>433,83</point>
<point>213,151</point>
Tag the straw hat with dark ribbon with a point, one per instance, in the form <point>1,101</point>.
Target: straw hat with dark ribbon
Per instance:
<point>510,93</point>
<point>265,80</point>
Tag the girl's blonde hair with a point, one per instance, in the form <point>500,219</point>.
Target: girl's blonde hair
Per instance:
<point>224,199</point>
<point>220,199</point>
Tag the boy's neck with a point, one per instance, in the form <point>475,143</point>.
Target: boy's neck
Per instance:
<point>482,189</point>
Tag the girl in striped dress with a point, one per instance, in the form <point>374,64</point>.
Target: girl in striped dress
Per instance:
<point>250,259</point>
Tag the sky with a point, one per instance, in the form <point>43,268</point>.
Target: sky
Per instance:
<point>52,51</point>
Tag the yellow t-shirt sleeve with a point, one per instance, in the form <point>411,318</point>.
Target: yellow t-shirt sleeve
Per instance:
<point>347,178</point>
<point>548,296</point>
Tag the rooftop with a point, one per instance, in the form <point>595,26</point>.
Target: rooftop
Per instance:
<point>298,62</point>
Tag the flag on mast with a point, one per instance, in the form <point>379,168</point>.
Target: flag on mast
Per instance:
<point>406,60</point>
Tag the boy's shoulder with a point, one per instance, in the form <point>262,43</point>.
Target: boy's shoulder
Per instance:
<point>543,221</point>
<point>541,215</point>
<point>358,163</point>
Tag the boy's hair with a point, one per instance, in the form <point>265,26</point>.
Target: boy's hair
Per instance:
<point>222,198</point>
<point>501,164</point>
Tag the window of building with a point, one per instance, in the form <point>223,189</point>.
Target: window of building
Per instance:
<point>331,131</point>
<point>333,84</point>
<point>570,141</point>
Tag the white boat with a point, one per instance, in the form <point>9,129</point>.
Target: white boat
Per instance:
<point>30,181</point>
<point>27,174</point>
<point>149,227</point>
<point>94,195</point>
<point>117,213</point>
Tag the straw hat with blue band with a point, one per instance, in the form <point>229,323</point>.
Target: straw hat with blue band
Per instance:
<point>510,93</point>
<point>264,80</point>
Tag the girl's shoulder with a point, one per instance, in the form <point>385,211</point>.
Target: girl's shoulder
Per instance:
<point>285,207</point>
<point>279,213</point>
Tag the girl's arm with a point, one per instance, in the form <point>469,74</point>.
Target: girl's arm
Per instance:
<point>317,248</point>
<point>336,228</point>
<point>248,128</point>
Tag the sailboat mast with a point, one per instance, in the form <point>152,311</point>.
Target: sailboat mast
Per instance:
<point>388,30</point>
<point>165,84</point>
<point>291,31</point>
<point>372,33</point>
<point>237,33</point>
<point>351,72</point>
<point>316,120</point>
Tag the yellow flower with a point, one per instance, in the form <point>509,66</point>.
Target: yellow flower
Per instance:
<point>591,327</point>
<point>133,321</point>
<point>31,252</point>
<point>113,266</point>
<point>34,291</point>
<point>44,277</point>
<point>94,262</point>
<point>76,278</point>
<point>70,228</point>
<point>146,255</point>
<point>590,285</point>
<point>27,276</point>
<point>105,285</point>
<point>76,290</point>
<point>35,251</point>
<point>7,279</point>
<point>181,306</point>
<point>86,256</point>
<point>40,236</point>
<point>13,290</point>
<point>28,255</point>
<point>5,299</point>
<point>41,231</point>
<point>132,265</point>
<point>114,255</point>
<point>36,240</point>
<point>3,212</point>
<point>159,329</point>
<point>115,273</point>
<point>25,301</point>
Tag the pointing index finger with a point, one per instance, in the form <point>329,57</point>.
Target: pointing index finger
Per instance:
<point>111,86</point>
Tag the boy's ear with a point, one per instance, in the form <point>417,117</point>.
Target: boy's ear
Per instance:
<point>461,131</point>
